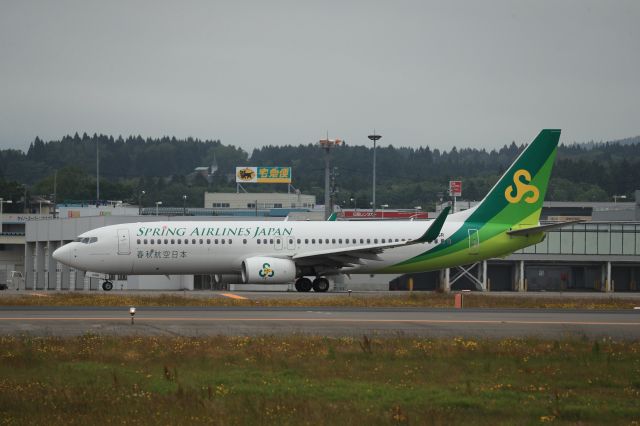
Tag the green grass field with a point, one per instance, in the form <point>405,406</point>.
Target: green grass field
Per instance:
<point>417,299</point>
<point>315,380</point>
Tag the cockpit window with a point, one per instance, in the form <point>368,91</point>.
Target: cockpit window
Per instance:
<point>86,240</point>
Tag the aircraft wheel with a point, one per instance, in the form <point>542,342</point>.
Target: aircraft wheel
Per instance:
<point>320,285</point>
<point>303,285</point>
<point>107,286</point>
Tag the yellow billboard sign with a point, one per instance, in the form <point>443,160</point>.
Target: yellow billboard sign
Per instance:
<point>263,174</point>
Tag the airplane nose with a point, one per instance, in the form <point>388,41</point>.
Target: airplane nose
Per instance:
<point>62,254</point>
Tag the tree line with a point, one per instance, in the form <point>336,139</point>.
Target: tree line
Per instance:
<point>154,169</point>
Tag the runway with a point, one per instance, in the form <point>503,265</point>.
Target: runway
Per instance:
<point>186,321</point>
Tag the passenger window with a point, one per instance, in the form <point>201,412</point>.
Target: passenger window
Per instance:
<point>208,241</point>
<point>306,241</point>
<point>145,241</point>
<point>298,240</point>
<point>271,241</point>
<point>222,241</point>
<point>333,241</point>
<point>151,241</point>
<point>138,241</point>
<point>201,240</point>
<point>326,241</point>
<point>166,241</point>
<point>361,241</point>
<point>290,240</point>
<point>368,241</point>
<point>193,241</point>
<point>340,241</point>
<point>230,240</point>
<point>244,241</point>
<point>180,241</point>
<point>313,241</point>
<point>277,240</point>
<point>320,241</point>
<point>258,240</point>
<point>215,241</point>
<point>173,241</point>
<point>264,241</point>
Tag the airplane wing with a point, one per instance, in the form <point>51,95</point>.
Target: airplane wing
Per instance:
<point>351,256</point>
<point>542,228</point>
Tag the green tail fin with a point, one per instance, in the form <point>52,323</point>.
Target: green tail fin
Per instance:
<point>333,217</point>
<point>518,196</point>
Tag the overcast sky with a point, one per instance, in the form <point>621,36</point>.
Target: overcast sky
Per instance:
<point>463,73</point>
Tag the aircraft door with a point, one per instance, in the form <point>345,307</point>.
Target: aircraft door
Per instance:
<point>123,242</point>
<point>277,243</point>
<point>474,241</point>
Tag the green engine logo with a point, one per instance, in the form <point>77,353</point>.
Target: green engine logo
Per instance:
<point>266,271</point>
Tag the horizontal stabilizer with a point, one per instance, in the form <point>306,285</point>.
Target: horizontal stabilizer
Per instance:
<point>541,228</point>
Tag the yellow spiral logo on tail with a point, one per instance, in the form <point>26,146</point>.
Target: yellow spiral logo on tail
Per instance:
<point>522,188</point>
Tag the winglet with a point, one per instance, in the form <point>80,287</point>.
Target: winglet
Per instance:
<point>433,231</point>
<point>333,217</point>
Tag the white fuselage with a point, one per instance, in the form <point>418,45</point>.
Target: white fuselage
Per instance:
<point>209,247</point>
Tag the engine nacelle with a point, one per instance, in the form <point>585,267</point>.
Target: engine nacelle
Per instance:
<point>268,270</point>
<point>227,279</point>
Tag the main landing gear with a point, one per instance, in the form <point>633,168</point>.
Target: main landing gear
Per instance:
<point>107,285</point>
<point>319,285</point>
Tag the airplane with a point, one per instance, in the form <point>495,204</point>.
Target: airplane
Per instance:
<point>506,220</point>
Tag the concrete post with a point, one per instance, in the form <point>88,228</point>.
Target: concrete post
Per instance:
<point>79,281</point>
<point>29,277</point>
<point>520,276</point>
<point>483,268</point>
<point>39,265</point>
<point>52,266</point>
<point>65,274</point>
<point>445,285</point>
<point>608,283</point>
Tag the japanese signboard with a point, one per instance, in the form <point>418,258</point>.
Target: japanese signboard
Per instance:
<point>455,188</point>
<point>263,174</point>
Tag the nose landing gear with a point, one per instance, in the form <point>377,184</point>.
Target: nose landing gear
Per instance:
<point>107,285</point>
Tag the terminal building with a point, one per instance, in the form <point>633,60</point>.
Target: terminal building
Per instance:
<point>601,254</point>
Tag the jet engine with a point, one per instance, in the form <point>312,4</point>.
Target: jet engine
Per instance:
<point>268,270</point>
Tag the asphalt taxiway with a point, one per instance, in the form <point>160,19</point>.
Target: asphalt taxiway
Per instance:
<point>198,321</point>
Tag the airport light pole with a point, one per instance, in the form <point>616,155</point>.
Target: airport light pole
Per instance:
<point>355,205</point>
<point>374,137</point>
<point>417,209</point>
<point>2,203</point>
<point>158,203</point>
<point>184,205</point>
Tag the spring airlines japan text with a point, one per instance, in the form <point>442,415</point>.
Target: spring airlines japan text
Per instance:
<point>223,231</point>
